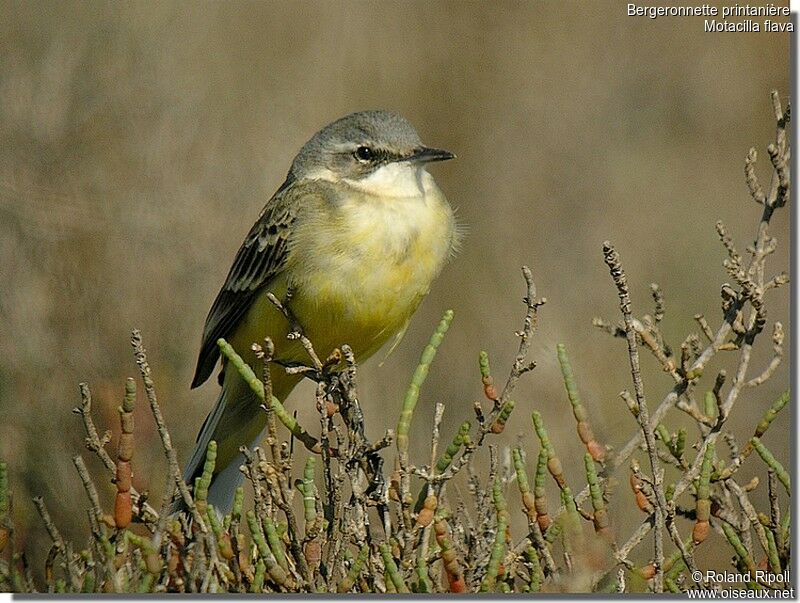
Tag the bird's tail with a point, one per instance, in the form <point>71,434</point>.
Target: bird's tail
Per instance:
<point>237,419</point>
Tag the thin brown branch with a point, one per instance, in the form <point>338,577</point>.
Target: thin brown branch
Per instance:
<point>166,441</point>
<point>643,416</point>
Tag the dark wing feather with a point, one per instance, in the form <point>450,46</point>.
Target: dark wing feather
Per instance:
<point>258,261</point>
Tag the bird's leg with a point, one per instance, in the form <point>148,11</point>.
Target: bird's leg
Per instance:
<point>321,371</point>
<point>318,369</point>
<point>295,328</point>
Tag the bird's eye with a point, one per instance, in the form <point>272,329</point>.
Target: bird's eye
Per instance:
<point>364,154</point>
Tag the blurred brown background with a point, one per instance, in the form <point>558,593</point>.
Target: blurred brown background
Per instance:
<point>139,141</point>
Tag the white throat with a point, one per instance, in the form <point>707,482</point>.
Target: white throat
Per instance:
<point>401,179</point>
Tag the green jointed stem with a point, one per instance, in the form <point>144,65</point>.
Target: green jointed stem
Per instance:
<point>772,553</point>
<point>274,541</point>
<point>257,387</point>
<point>554,531</point>
<point>761,428</point>
<point>220,532</point>
<point>663,434</point>
<point>446,459</point>
<point>391,569</point>
<point>675,564</point>
<point>146,583</point>
<point>489,389</point>
<point>771,413</point>
<point>106,545</point>
<point>736,543</point>
<point>421,372</point>
<point>129,400</point>
<point>773,463</point>
<point>498,550</point>
<point>309,493</point>
<point>203,482</point>
<point>424,583</point>
<point>680,443</point>
<point>539,495</point>
<point>528,499</point>
<point>600,519</point>
<point>536,573</point>
<point>452,449</point>
<point>703,502</point>
<point>505,413</point>
<point>88,582</point>
<point>538,425</point>
<point>153,562</point>
<point>670,585</point>
<point>519,469</point>
<point>258,580</point>
<point>785,532</point>
<point>499,501</point>
<point>139,541</point>
<point>766,421</point>
<point>257,535</point>
<point>19,581</point>
<point>483,362</point>
<point>355,569</point>
<point>541,471</point>
<point>213,520</point>
<point>275,571</point>
<point>236,510</point>
<point>553,462</point>
<point>703,491</point>
<point>572,519</point>
<point>710,405</point>
<point>584,429</point>
<point>569,383</point>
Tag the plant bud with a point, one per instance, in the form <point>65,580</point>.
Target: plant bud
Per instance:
<point>700,531</point>
<point>648,571</point>
<point>123,510</point>
<point>123,476</point>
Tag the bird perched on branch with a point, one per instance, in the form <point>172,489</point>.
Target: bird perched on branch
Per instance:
<point>350,243</point>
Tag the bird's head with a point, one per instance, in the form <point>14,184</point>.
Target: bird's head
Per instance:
<point>376,151</point>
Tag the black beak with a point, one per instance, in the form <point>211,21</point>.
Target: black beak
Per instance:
<point>428,155</point>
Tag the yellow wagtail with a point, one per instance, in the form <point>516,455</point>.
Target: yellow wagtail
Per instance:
<point>357,233</point>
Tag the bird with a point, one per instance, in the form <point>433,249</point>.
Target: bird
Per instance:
<point>351,241</point>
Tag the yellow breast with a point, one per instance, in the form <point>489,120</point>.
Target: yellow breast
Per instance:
<point>361,266</point>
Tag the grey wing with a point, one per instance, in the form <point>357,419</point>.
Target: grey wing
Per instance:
<point>258,261</point>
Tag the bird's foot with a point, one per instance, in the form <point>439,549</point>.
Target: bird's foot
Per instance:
<point>295,328</point>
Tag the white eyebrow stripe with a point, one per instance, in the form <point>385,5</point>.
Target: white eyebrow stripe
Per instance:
<point>346,147</point>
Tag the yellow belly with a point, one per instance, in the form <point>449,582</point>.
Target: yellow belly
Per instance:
<point>358,271</point>
<point>330,316</point>
<point>333,312</point>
